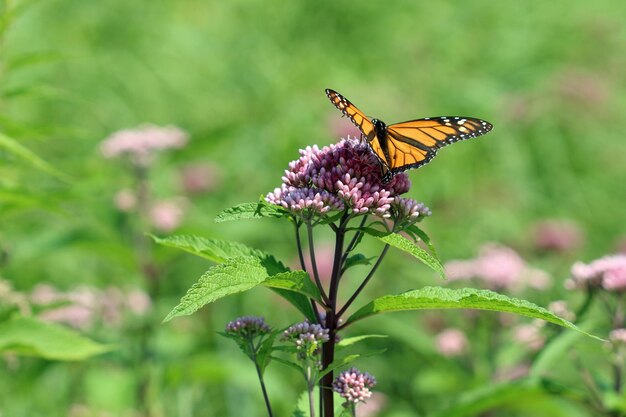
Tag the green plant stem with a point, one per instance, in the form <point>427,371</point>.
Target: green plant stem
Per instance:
<point>310,386</point>
<point>328,349</point>
<point>303,266</point>
<point>316,275</point>
<point>618,323</point>
<point>253,350</point>
<point>145,260</point>
<point>353,242</point>
<point>364,283</point>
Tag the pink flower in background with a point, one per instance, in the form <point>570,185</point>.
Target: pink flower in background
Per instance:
<point>608,272</point>
<point>140,143</point>
<point>167,215</point>
<point>557,236</point>
<point>618,336</point>
<point>324,253</point>
<point>46,294</point>
<point>373,406</point>
<point>88,305</point>
<point>125,200</point>
<point>561,309</point>
<point>500,267</point>
<point>451,342</point>
<point>200,178</point>
<point>138,302</point>
<point>529,335</point>
<point>78,316</point>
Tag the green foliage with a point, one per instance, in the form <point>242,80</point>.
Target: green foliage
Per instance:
<point>240,274</point>
<point>30,337</point>
<point>400,242</point>
<point>491,397</point>
<point>250,211</point>
<point>429,298</point>
<point>217,250</point>
<point>358,259</point>
<point>14,147</point>
<point>233,276</point>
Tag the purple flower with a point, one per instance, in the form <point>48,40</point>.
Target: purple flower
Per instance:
<point>354,385</point>
<point>608,272</point>
<point>308,339</point>
<point>140,143</point>
<point>248,327</point>
<point>343,176</point>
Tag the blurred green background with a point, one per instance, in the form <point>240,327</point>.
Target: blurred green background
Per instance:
<point>246,80</point>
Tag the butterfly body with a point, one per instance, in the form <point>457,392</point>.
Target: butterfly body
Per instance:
<point>410,144</point>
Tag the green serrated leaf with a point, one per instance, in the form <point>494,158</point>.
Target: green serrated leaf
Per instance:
<point>294,281</point>
<point>31,337</point>
<point>243,273</point>
<point>13,146</point>
<point>402,243</point>
<point>250,211</point>
<point>219,250</point>
<point>466,298</point>
<point>425,238</point>
<point>233,276</point>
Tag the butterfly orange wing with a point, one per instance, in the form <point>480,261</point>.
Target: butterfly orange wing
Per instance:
<point>355,115</point>
<point>414,143</point>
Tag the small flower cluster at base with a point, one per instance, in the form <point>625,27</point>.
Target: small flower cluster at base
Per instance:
<point>248,327</point>
<point>608,272</point>
<point>307,337</point>
<point>354,385</point>
<point>343,176</point>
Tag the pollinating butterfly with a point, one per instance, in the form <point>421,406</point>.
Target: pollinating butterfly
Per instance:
<point>411,144</point>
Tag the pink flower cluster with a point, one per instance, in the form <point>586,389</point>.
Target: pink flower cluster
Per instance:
<point>85,306</point>
<point>344,175</point>
<point>500,267</point>
<point>142,142</point>
<point>354,385</point>
<point>451,342</point>
<point>557,236</point>
<point>608,272</point>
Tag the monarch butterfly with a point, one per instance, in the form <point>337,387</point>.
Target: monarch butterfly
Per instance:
<point>411,144</point>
